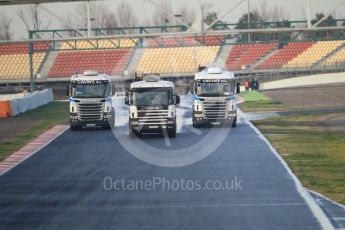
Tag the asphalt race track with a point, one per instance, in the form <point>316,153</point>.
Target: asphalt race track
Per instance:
<point>62,186</point>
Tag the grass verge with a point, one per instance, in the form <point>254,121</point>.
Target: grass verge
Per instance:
<point>47,116</point>
<point>256,101</point>
<point>314,152</point>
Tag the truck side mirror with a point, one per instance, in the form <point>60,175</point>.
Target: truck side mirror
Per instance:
<point>127,100</point>
<point>177,99</point>
<point>67,90</point>
<point>238,89</point>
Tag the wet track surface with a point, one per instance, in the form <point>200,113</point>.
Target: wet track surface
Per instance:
<point>62,186</point>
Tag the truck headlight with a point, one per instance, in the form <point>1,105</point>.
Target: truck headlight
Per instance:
<point>232,107</point>
<point>198,106</point>
<point>107,107</point>
<point>73,108</point>
<point>134,123</point>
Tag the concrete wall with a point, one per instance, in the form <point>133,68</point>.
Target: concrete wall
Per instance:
<point>27,102</point>
<point>318,79</point>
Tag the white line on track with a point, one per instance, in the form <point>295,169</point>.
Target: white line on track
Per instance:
<point>202,206</point>
<point>326,198</point>
<point>194,130</point>
<point>166,138</point>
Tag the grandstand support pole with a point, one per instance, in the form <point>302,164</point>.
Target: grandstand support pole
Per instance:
<point>88,13</point>
<point>248,8</point>
<point>31,62</point>
<point>194,54</point>
<point>308,14</point>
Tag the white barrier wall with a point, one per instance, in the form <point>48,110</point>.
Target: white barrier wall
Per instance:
<point>319,79</point>
<point>31,101</point>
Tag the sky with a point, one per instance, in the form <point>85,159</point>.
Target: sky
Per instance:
<point>143,10</point>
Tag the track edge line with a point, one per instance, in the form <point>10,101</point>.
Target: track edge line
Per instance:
<point>35,151</point>
<point>304,193</point>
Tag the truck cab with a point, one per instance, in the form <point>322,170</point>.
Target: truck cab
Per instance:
<point>214,98</point>
<point>90,102</point>
<point>152,107</point>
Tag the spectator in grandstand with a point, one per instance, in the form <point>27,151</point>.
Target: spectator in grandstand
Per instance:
<point>252,84</point>
<point>246,85</point>
<point>257,84</point>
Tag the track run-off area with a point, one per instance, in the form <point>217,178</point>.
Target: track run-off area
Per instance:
<point>91,179</point>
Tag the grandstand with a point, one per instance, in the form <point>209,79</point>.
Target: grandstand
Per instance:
<point>105,59</point>
<point>176,59</point>
<point>264,48</point>
<point>314,54</point>
<point>112,62</point>
<point>284,55</point>
<point>337,59</point>
<point>242,56</point>
<point>14,60</point>
<point>173,55</point>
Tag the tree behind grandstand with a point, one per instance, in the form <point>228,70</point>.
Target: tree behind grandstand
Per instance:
<point>5,28</point>
<point>329,21</point>
<point>260,18</point>
<point>31,16</point>
<point>187,14</point>
<point>162,15</point>
<point>101,16</point>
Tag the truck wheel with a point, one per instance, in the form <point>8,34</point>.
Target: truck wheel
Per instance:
<point>226,123</point>
<point>172,133</point>
<point>107,127</point>
<point>234,123</point>
<point>74,127</point>
<point>112,120</point>
<point>195,124</point>
<point>132,133</point>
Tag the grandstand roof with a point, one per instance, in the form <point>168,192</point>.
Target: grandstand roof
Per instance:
<point>21,2</point>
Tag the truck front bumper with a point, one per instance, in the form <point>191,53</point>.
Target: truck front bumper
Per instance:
<point>75,121</point>
<point>151,128</point>
<point>199,119</point>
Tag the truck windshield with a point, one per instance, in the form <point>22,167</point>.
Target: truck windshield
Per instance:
<point>90,90</point>
<point>215,88</point>
<point>152,98</point>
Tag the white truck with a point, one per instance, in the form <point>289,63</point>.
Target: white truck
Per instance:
<point>152,107</point>
<point>214,98</point>
<point>90,102</point>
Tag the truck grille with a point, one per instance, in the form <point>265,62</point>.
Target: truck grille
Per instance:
<point>152,117</point>
<point>90,112</point>
<point>215,109</point>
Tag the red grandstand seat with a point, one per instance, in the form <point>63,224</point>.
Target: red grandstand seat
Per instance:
<point>247,54</point>
<point>284,55</point>
<point>70,62</point>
